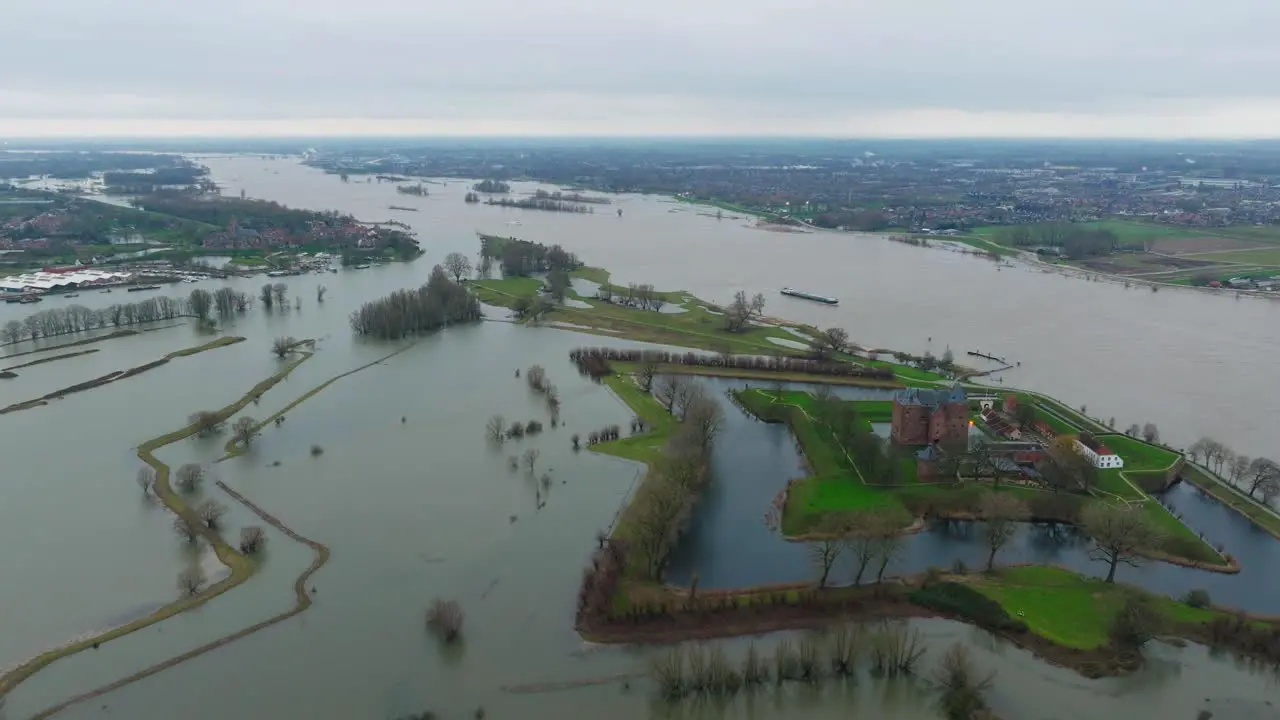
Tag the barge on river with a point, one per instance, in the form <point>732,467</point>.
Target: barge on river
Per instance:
<point>809,296</point>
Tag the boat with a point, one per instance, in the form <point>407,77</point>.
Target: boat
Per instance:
<point>140,288</point>
<point>277,273</point>
<point>403,209</point>
<point>71,295</point>
<point>104,292</point>
<point>333,269</point>
<point>809,296</point>
<point>27,299</point>
<point>364,266</point>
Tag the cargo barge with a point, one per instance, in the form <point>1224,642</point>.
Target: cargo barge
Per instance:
<point>809,296</point>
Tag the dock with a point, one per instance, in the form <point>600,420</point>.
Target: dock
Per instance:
<point>996,358</point>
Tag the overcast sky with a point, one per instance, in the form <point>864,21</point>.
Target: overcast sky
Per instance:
<point>1160,68</point>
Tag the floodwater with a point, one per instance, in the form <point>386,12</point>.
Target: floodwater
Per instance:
<point>415,504</point>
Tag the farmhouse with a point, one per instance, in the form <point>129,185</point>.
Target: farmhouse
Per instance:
<point>1099,454</point>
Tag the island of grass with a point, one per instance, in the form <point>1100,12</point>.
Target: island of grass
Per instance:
<point>861,471</point>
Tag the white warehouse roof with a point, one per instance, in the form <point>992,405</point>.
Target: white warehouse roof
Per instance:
<point>47,281</point>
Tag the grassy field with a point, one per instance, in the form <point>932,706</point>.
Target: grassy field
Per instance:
<point>1069,609</point>
<point>1139,455</point>
<point>1261,257</point>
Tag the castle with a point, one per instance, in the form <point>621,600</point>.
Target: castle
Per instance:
<point>924,416</point>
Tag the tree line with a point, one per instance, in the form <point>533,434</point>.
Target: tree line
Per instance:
<point>1258,477</point>
<point>491,186</point>
<point>438,303</point>
<point>570,197</point>
<point>220,212</point>
<point>521,258</point>
<point>78,318</point>
<point>534,203</point>
<point>595,361</point>
<point>1073,239</point>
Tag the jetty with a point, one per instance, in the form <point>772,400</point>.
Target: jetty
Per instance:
<point>996,358</point>
<point>790,292</point>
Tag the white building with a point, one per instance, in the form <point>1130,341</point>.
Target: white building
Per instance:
<point>46,281</point>
<point>1104,459</point>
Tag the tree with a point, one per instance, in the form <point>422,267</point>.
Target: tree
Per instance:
<point>252,539</point>
<point>536,377</point>
<point>458,265</point>
<point>207,423</point>
<point>245,430</point>
<point>201,302</point>
<point>658,509</point>
<point>948,360</point>
<point>266,295</point>
<point>1239,468</point>
<point>146,479</point>
<point>1001,513</point>
<point>495,429</point>
<point>824,551</point>
<point>703,418</point>
<point>185,530</point>
<point>1263,479</point>
<point>888,546</point>
<point>1120,535</point>
<point>1025,414</point>
<point>1069,466</point>
<point>832,340</point>
<point>188,477</point>
<point>741,309</point>
<point>557,284</point>
<point>1136,624</point>
<point>645,374</point>
<point>190,581</point>
<point>211,512</point>
<point>961,686</point>
<point>444,618</point>
<point>1133,430</point>
<point>1150,433</point>
<point>280,290</point>
<point>531,459</point>
<point>672,391</point>
<point>320,291</point>
<point>1199,448</point>
<point>282,346</point>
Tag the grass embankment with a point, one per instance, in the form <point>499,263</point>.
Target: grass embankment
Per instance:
<point>235,449</point>
<point>41,361</point>
<point>240,566</point>
<point>699,326</point>
<point>836,483</point>
<point>302,601</point>
<point>76,343</point>
<point>118,375</point>
<point>1073,610</point>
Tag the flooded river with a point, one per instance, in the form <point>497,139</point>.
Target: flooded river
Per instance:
<point>415,503</point>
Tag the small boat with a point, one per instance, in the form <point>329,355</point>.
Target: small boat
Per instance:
<point>140,288</point>
<point>364,266</point>
<point>104,292</point>
<point>28,299</point>
<point>333,269</point>
<point>514,222</point>
<point>809,296</point>
<point>71,295</point>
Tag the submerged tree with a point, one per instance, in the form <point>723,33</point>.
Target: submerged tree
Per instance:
<point>438,303</point>
<point>961,687</point>
<point>245,430</point>
<point>444,618</point>
<point>207,423</point>
<point>531,459</point>
<point>146,479</point>
<point>1001,513</point>
<point>458,265</point>
<point>190,581</point>
<point>185,530</point>
<point>211,512</point>
<point>188,477</point>
<point>495,429</point>
<point>282,346</point>
<point>267,297</point>
<point>252,539</point>
<point>200,302</point>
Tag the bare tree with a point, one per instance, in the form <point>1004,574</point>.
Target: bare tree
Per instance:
<point>672,391</point>
<point>320,291</point>
<point>188,477</point>
<point>1150,432</point>
<point>888,546</point>
<point>280,290</point>
<point>190,581</point>
<point>864,527</point>
<point>185,530</point>
<point>828,548</point>
<point>659,508</point>
<point>739,312</point>
<point>1120,535</point>
<point>1239,468</point>
<point>207,423</point>
<point>1133,430</point>
<point>458,265</point>
<point>831,340</point>
<point>495,429</point>
<point>703,418</point>
<point>444,618</point>
<point>252,539</point>
<point>644,375</point>
<point>266,295</point>
<point>1263,479</point>
<point>530,458</point>
<point>146,479</point>
<point>211,512</point>
<point>1001,513</point>
<point>536,377</point>
<point>245,430</point>
<point>282,346</point>
<point>961,687</point>
<point>757,304</point>
<point>201,302</point>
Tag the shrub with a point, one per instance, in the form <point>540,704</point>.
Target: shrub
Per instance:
<point>316,451</point>
<point>1197,598</point>
<point>533,427</point>
<point>252,538</point>
<point>966,602</point>
<point>1135,624</point>
<point>444,618</point>
<point>516,430</point>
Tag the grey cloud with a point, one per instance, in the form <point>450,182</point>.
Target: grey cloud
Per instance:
<point>706,59</point>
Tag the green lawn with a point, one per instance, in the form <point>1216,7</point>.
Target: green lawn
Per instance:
<point>647,446</point>
<point>1137,454</point>
<point>1070,609</point>
<point>1262,256</point>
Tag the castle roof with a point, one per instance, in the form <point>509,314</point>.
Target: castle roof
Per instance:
<point>930,397</point>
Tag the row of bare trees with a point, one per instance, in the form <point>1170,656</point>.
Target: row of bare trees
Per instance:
<point>595,361</point>
<point>641,297</point>
<point>438,303</point>
<point>1258,477</point>
<point>78,318</point>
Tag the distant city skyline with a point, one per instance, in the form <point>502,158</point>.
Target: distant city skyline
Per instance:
<point>834,68</point>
